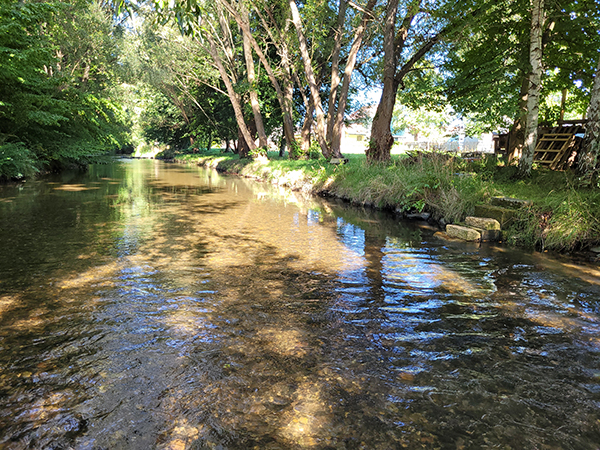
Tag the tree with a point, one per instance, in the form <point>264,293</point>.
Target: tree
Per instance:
<point>488,67</point>
<point>535,86</point>
<point>407,41</point>
<point>260,27</point>
<point>329,135</point>
<point>54,82</point>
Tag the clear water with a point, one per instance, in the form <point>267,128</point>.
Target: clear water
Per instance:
<point>145,305</point>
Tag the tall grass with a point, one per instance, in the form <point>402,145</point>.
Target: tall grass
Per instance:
<point>562,216</point>
<point>422,182</point>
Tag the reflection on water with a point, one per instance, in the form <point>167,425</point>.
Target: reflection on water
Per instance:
<point>145,305</point>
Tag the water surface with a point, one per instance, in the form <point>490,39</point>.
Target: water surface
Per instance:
<point>145,305</point>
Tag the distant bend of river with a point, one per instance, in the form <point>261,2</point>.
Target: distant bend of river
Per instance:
<point>153,306</point>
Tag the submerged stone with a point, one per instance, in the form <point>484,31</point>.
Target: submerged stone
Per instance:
<point>418,216</point>
<point>443,235</point>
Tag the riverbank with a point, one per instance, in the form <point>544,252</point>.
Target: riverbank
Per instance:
<point>559,215</point>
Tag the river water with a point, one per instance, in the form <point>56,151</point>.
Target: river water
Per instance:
<point>146,305</point>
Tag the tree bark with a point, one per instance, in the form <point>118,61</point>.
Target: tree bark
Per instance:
<point>535,87</point>
<point>381,135</point>
<point>590,148</point>
<point>306,128</point>
<point>242,147</point>
<point>516,135</point>
<point>335,68</point>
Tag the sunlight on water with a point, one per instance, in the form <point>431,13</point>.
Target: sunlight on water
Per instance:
<point>145,305</point>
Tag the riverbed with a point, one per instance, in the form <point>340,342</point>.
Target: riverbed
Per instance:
<point>146,305</point>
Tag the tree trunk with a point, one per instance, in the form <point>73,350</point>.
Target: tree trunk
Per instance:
<point>282,95</point>
<point>310,76</point>
<point>516,135</point>
<point>335,68</point>
<point>282,141</point>
<point>590,148</point>
<point>233,96</point>
<point>336,135</point>
<point>209,142</point>
<point>260,128</point>
<point>306,129</point>
<point>535,86</point>
<point>243,149</point>
<point>381,135</point>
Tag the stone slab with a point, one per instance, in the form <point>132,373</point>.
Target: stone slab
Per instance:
<point>464,233</point>
<point>489,235</point>
<point>507,202</point>
<point>485,223</point>
<point>503,215</point>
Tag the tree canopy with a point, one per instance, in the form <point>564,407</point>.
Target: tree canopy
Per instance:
<point>259,74</point>
<point>56,75</point>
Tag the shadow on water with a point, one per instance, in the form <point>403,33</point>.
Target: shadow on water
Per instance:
<point>152,306</point>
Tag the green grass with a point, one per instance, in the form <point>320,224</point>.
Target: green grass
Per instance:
<point>563,216</point>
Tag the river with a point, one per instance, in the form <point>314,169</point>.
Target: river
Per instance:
<point>153,306</point>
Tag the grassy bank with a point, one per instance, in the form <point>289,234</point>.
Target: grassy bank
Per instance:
<point>562,215</point>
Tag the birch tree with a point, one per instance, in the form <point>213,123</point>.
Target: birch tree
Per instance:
<point>535,86</point>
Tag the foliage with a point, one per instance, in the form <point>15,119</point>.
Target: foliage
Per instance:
<point>54,83</point>
<point>485,69</point>
<point>16,161</point>
<point>162,122</point>
<point>419,121</point>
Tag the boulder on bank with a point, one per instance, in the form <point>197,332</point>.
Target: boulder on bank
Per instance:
<point>507,202</point>
<point>503,215</point>
<point>464,233</point>
<point>485,223</point>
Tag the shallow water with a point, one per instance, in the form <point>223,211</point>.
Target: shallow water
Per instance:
<point>145,305</point>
